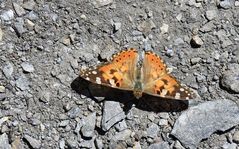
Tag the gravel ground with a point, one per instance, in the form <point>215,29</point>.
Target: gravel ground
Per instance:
<point>44,104</point>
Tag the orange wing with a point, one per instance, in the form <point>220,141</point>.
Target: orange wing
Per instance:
<point>119,73</point>
<point>158,82</point>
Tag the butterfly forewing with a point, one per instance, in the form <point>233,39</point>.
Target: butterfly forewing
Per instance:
<point>158,82</point>
<point>119,73</point>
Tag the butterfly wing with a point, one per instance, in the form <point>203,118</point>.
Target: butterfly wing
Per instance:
<point>158,82</point>
<point>119,73</point>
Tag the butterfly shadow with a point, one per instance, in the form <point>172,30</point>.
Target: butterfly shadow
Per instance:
<point>147,103</point>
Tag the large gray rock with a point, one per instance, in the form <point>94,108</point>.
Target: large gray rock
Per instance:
<point>201,121</point>
<point>112,113</point>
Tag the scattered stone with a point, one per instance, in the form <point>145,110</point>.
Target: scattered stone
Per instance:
<point>215,116</point>
<point>152,130</point>
<point>226,4</point>
<point>19,10</point>
<point>99,143</point>
<point>164,115</point>
<point>34,143</point>
<point>207,27</point>
<point>236,137</point>
<point>178,41</point>
<point>164,28</point>
<point>64,123</point>
<point>123,135</point>
<point>211,14</point>
<point>29,5</point>
<point>146,26</point>
<point>112,113</point>
<point>44,96</point>
<point>22,83</point>
<point>17,144</point>
<point>169,51</point>
<point>87,144</point>
<point>8,70</point>
<point>195,60</point>
<point>7,15</point>
<point>62,144</point>
<point>226,42</point>
<point>178,145</point>
<point>88,127</point>
<point>161,145</point>
<point>100,3</point>
<point>151,116</point>
<point>179,17</point>
<point>236,3</point>
<point>27,67</point>
<point>137,145</point>
<point>121,126</point>
<point>117,26</point>
<point>229,146</point>
<point>163,122</point>
<point>19,27</point>
<point>196,41</point>
<point>2,89</point>
<point>1,34</point>
<point>74,112</point>
<point>230,79</point>
<point>4,142</point>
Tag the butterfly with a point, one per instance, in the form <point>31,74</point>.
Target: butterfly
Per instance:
<point>141,73</point>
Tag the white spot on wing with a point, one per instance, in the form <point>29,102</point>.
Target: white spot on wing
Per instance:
<point>87,78</point>
<point>181,89</point>
<point>187,97</point>
<point>177,96</point>
<point>112,82</point>
<point>98,80</point>
<point>164,92</point>
<point>94,72</point>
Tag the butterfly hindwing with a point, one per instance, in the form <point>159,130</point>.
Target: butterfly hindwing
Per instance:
<point>158,82</point>
<point>119,73</point>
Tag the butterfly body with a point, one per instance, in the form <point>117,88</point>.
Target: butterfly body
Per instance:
<point>147,74</point>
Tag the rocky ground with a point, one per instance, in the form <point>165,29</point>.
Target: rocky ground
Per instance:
<point>44,104</point>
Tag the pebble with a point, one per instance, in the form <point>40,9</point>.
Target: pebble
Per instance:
<point>27,67</point>
<point>29,5</point>
<point>7,15</point>
<point>100,3</point>
<point>74,112</point>
<point>179,16</point>
<point>196,41</point>
<point>151,116</point>
<point>164,28</point>
<point>88,126</point>
<point>178,145</point>
<point>17,144</point>
<point>195,60</point>
<point>112,113</point>
<point>215,115</point>
<point>2,89</point>
<point>123,135</point>
<point>163,122</point>
<point>87,144</point>
<point>121,126</point>
<point>164,115</point>
<point>62,144</point>
<point>1,34</point>
<point>146,26</point>
<point>236,137</point>
<point>211,14</point>
<point>99,143</point>
<point>230,79</point>
<point>8,70</point>
<point>4,142</point>
<point>225,4</point>
<point>34,143</point>
<point>117,26</point>
<point>19,10</point>
<point>229,146</point>
<point>236,3</point>
<point>160,145</point>
<point>64,123</point>
<point>19,27</point>
<point>22,83</point>
<point>207,27</point>
<point>152,130</point>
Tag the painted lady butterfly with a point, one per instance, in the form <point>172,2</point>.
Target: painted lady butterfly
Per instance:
<point>127,72</point>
